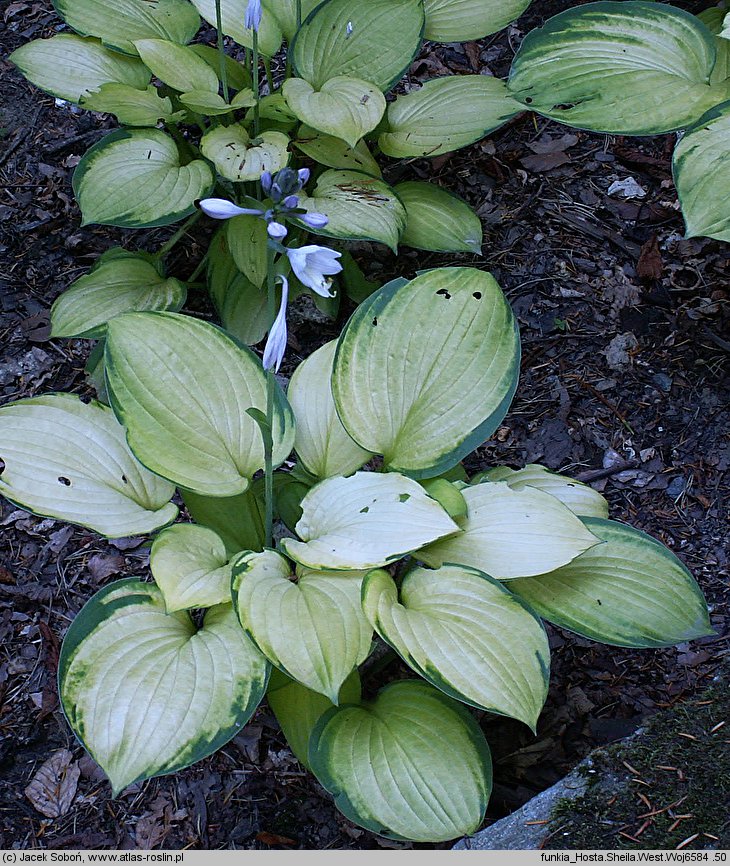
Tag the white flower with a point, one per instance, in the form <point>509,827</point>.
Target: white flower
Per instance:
<point>276,341</point>
<point>315,220</point>
<point>253,15</point>
<point>222,209</point>
<point>276,230</point>
<point>313,264</point>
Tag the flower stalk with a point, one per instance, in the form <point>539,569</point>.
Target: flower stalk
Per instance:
<point>221,51</point>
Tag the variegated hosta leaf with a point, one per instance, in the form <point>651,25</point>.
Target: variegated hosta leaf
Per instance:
<point>238,157</point>
<point>190,565</point>
<point>237,520</point>
<point>512,533</point>
<point>148,693</point>
<point>446,114</point>
<point>634,67</point>
<point>241,305</point>
<point>426,370</point>
<point>133,178</point>
<point>465,20</point>
<point>119,23</point>
<point>358,206</point>
<point>335,153</point>
<point>182,388</point>
<point>629,591</point>
<point>239,78</point>
<point>344,107</point>
<point>131,106</point>
<point>438,220</point>
<point>321,442</point>
<point>247,240</point>
<point>298,709</point>
<point>312,629</point>
<point>374,41</point>
<point>712,18</point>
<point>702,172</point>
<point>463,632</point>
<point>580,498</point>
<point>285,13</point>
<point>122,284</point>
<point>70,67</point>
<point>206,102</point>
<point>177,65</point>
<point>725,32</point>
<point>412,764</point>
<point>233,16</point>
<point>69,460</point>
<point>364,521</point>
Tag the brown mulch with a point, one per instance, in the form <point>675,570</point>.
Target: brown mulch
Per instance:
<point>624,383</point>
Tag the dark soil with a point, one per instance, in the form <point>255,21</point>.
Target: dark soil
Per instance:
<point>625,384</point>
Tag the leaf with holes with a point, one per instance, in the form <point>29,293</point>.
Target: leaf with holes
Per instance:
<point>310,626</point>
<point>182,388</point>
<point>513,533</point>
<point>635,67</point>
<point>358,207</point>
<point>412,764</point>
<point>179,692</point>
<point>69,460</point>
<point>365,521</point>
<point>374,41</point>
<point>344,107</point>
<point>190,566</point>
<point>464,633</point>
<point>120,285</point>
<point>70,67</point>
<point>580,498</point>
<point>133,178</point>
<point>465,20</point>
<point>438,220</point>
<point>701,166</point>
<point>446,114</point>
<point>322,443</point>
<point>120,23</point>
<point>238,157</point>
<point>425,371</point>
<point>628,591</point>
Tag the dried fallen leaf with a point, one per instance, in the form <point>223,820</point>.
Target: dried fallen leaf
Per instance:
<point>274,839</point>
<point>53,787</point>
<point>650,264</point>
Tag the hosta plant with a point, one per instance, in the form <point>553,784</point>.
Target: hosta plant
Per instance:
<point>383,541</point>
<point>641,68</point>
<point>200,122</point>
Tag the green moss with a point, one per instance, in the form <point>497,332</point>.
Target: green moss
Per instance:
<point>682,758</point>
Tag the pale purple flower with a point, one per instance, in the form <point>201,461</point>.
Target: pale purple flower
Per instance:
<point>313,264</point>
<point>222,209</point>
<point>276,230</point>
<point>266,181</point>
<point>291,201</point>
<point>276,341</point>
<point>303,175</point>
<point>252,21</point>
<point>315,220</point>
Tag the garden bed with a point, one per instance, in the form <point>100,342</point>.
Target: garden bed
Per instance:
<point>626,352</point>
